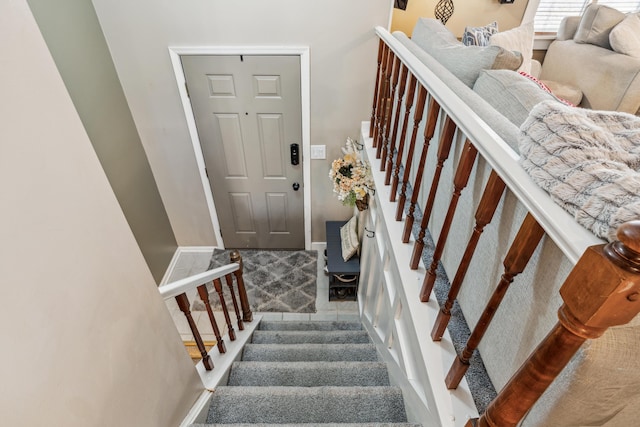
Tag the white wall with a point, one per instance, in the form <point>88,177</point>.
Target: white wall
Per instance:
<point>86,338</point>
<point>343,53</point>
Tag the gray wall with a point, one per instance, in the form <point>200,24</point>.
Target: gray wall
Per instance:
<point>87,339</point>
<point>77,44</point>
<point>343,52</point>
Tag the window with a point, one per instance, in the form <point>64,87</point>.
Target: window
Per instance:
<point>550,12</point>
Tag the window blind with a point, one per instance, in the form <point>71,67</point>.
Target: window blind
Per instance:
<point>550,12</point>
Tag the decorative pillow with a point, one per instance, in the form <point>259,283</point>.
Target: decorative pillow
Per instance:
<point>349,238</point>
<point>510,93</point>
<point>625,37</point>
<point>519,39</point>
<point>566,92</point>
<point>553,88</point>
<point>479,36</point>
<point>465,62</point>
<point>596,24</point>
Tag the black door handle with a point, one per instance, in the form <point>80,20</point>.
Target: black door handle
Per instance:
<point>295,154</point>
<point>296,186</point>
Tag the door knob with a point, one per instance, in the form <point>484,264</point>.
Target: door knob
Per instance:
<point>296,186</point>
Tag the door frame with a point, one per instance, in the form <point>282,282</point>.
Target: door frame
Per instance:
<point>175,52</point>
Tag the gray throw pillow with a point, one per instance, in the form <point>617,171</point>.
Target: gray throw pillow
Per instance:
<point>509,92</point>
<point>465,62</point>
<point>596,24</point>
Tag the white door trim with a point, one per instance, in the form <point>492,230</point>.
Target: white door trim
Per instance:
<point>176,51</point>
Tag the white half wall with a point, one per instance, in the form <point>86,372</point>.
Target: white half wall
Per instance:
<point>343,54</point>
<point>86,337</point>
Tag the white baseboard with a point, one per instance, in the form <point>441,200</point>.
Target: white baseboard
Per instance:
<point>196,249</point>
<point>176,256</point>
<point>200,408</point>
<point>318,246</point>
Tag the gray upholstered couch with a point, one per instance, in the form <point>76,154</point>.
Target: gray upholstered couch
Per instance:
<point>608,80</point>
<point>601,385</point>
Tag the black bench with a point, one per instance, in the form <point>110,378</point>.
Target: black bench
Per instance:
<point>343,276</point>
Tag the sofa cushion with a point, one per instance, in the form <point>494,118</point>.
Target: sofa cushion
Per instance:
<point>512,94</point>
<point>479,36</point>
<point>519,39</point>
<point>497,122</point>
<point>625,37</point>
<point>465,62</point>
<point>596,24</point>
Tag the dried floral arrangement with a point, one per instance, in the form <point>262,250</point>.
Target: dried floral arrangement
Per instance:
<point>351,177</point>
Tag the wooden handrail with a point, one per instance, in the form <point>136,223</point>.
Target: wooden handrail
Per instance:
<point>401,142</point>
<point>460,180</point>
<point>515,261</point>
<point>178,287</point>
<point>603,290</point>
<point>382,98</point>
<point>204,296</point>
<point>396,121</point>
<point>486,208</point>
<point>444,148</point>
<point>584,315</point>
<point>429,130</point>
<point>199,281</point>
<point>391,93</point>
<point>570,237</point>
<point>247,315</point>
<point>183,304</point>
<point>417,118</point>
<point>381,47</point>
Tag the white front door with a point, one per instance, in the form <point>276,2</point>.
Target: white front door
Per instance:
<point>247,110</point>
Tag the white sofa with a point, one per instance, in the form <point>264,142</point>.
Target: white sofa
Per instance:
<point>608,80</point>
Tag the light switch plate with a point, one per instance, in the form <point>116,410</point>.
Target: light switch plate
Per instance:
<point>318,151</point>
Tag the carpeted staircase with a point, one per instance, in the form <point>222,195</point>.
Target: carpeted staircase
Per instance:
<point>295,373</point>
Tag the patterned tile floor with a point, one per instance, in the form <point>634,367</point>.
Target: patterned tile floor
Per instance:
<point>190,263</point>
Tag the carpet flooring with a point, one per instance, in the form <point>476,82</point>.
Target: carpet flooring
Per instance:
<point>308,373</point>
<point>276,280</point>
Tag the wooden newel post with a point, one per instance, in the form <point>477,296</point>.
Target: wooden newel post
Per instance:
<point>247,316</point>
<point>603,290</point>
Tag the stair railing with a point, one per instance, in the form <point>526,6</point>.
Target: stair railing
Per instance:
<point>603,289</point>
<point>231,273</point>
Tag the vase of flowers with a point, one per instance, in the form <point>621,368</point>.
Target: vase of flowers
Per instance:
<point>351,177</point>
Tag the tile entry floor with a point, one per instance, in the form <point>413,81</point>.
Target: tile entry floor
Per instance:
<point>189,263</point>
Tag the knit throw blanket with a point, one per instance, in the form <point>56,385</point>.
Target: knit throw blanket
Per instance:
<point>588,161</point>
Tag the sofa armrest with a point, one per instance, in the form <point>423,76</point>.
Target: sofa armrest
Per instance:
<point>568,27</point>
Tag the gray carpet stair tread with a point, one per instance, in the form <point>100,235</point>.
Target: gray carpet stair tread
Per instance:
<point>311,337</point>
<point>310,352</point>
<point>306,405</point>
<point>308,374</point>
<point>321,325</point>
<point>315,425</point>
